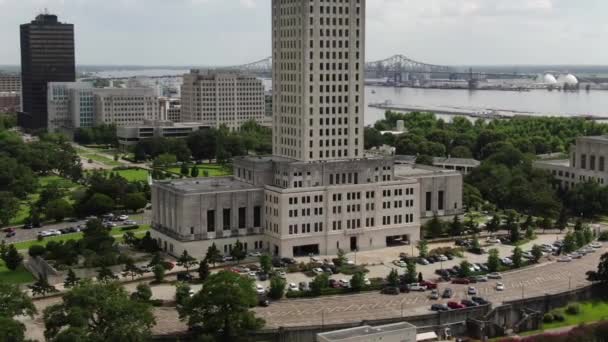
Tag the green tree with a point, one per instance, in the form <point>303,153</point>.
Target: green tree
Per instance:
<point>410,274</point>
<point>238,251</point>
<point>423,248</point>
<point>182,295</point>
<point>472,226</point>
<point>341,257</point>
<point>213,254</point>
<point>588,234</point>
<point>42,287</point>
<point>434,228</point>
<point>319,283</point>
<point>135,201</point>
<point>357,281</point>
<point>393,278</point>
<point>157,259</point>
<point>471,197</point>
<point>537,253</point>
<point>277,288</point>
<point>562,220</point>
<point>36,251</point>
<point>186,261</point>
<point>14,302</point>
<point>424,160</point>
<point>9,206</point>
<point>143,293</point>
<point>71,279</point>
<point>97,238</point>
<point>131,270</point>
<point>456,227</point>
<point>58,210</point>
<point>465,269</point>
<point>203,270</point>
<point>265,263</point>
<point>493,260</point>
<point>194,172</point>
<point>569,245</point>
<point>517,257</point>
<point>104,274</point>
<point>601,275</point>
<point>494,224</point>
<point>11,330</point>
<point>579,238</point>
<point>222,307</point>
<point>513,227</point>
<point>97,204</point>
<point>530,233</point>
<point>159,273</point>
<point>184,170</point>
<point>164,160</point>
<point>99,312</point>
<point>12,258</point>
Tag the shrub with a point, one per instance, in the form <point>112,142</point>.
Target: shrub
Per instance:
<point>558,316</point>
<point>36,251</point>
<point>603,236</point>
<point>352,269</point>
<point>129,228</point>
<point>168,265</point>
<point>548,318</point>
<point>573,309</point>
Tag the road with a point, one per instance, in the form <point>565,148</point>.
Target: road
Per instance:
<point>32,234</point>
<point>547,278</point>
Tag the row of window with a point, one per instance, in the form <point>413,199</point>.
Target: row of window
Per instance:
<point>305,228</point>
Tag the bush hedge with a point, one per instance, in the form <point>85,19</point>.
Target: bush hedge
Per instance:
<point>548,318</point>
<point>573,309</point>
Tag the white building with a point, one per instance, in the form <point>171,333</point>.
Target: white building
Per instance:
<point>125,107</point>
<point>70,105</point>
<point>131,135</point>
<point>170,109</point>
<point>319,192</point>
<point>222,98</point>
<point>396,332</point>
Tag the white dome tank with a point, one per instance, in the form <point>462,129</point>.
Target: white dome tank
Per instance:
<point>549,79</point>
<point>568,79</point>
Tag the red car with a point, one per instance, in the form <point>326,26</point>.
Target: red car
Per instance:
<point>462,281</point>
<point>454,305</point>
<point>429,285</point>
<point>8,230</point>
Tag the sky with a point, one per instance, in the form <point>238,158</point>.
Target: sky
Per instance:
<point>231,32</point>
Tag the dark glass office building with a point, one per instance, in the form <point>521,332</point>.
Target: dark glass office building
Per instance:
<point>47,55</point>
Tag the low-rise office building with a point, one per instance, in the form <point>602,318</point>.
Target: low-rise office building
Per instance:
<point>396,332</point>
<point>131,135</point>
<point>70,105</point>
<point>587,162</point>
<point>222,98</point>
<point>10,83</point>
<point>463,165</point>
<point>10,101</point>
<point>170,109</point>
<point>124,107</point>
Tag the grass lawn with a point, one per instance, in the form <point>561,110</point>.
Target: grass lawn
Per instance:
<point>116,232</point>
<point>19,276</point>
<point>214,170</point>
<point>60,181</point>
<point>590,312</point>
<point>133,175</point>
<point>101,159</point>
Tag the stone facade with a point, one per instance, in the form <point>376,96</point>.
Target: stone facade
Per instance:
<point>587,162</point>
<point>124,107</point>
<point>222,98</point>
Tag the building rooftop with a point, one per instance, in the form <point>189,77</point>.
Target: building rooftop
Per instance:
<point>409,170</point>
<point>365,330</point>
<point>207,185</point>
<point>603,138</point>
<point>555,162</point>
<point>456,161</point>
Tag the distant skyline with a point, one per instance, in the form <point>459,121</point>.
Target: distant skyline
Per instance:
<point>231,32</point>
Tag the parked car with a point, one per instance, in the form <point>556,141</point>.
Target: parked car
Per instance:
<point>227,258</point>
<point>439,307</point>
<point>479,300</point>
<point>288,261</point>
<point>333,283</point>
<point>481,278</point>
<point>252,275</point>
<point>482,267</point>
<point>455,305</point>
<point>28,226</point>
<point>575,255</point>
<point>293,287</point>
<point>596,244</point>
<point>443,258</point>
<point>123,218</point>
<point>423,261</point>
<point>262,276</point>
<point>494,275</point>
<point>254,254</point>
<point>10,234</point>
<point>565,258</point>
<point>399,263</point>
<point>130,223</point>
<point>417,287</point>
<point>184,276</point>
<point>429,285</point>
<point>447,293</point>
<point>500,286</point>
<point>434,294</point>
<point>472,291</point>
<point>260,289</point>
<point>468,303</point>
<point>344,283</point>
<point>317,270</point>
<point>282,274</point>
<point>462,281</point>
<point>390,290</point>
<point>506,261</point>
<point>303,286</point>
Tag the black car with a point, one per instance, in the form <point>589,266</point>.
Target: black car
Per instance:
<point>11,234</point>
<point>447,293</point>
<point>439,307</point>
<point>288,261</point>
<point>390,290</point>
<point>276,262</point>
<point>262,276</point>
<point>449,256</point>
<point>468,303</point>
<point>479,300</point>
<point>404,288</point>
<point>28,226</point>
<point>64,230</point>
<point>184,276</point>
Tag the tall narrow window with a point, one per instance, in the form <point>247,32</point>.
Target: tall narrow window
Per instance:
<point>226,219</point>
<point>257,216</point>
<point>440,201</point>
<point>210,220</point>
<point>242,217</point>
<point>429,200</point>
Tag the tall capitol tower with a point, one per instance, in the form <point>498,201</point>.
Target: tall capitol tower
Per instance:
<point>318,50</point>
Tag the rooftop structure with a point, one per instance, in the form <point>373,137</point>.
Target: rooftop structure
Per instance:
<point>132,134</point>
<point>397,332</point>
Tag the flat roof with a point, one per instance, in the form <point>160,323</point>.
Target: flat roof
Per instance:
<point>555,162</point>
<point>409,170</point>
<point>456,161</point>
<point>366,330</point>
<point>207,185</point>
<point>595,137</point>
